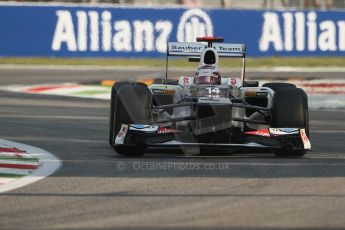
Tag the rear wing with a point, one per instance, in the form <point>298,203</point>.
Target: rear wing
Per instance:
<point>194,49</point>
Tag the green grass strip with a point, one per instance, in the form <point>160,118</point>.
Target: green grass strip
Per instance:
<point>19,159</point>
<point>10,175</point>
<point>181,62</point>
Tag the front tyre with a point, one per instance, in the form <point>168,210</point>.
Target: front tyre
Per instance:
<point>114,91</point>
<point>290,109</point>
<point>132,105</point>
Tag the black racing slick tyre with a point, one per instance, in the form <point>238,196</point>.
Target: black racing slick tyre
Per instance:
<point>114,90</point>
<point>290,109</point>
<point>131,103</point>
<point>278,85</point>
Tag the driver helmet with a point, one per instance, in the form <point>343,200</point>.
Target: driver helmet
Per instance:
<point>207,75</point>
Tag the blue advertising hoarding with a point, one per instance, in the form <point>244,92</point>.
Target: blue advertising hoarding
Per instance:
<point>105,31</point>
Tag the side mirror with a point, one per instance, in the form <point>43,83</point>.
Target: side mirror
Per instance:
<point>250,84</point>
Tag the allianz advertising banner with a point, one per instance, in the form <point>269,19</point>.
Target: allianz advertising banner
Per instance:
<point>83,31</point>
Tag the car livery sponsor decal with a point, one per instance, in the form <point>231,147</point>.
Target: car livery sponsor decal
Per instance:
<point>305,139</point>
<point>261,94</point>
<point>120,138</point>
<point>250,94</point>
<point>263,133</point>
<point>163,87</point>
<point>185,48</point>
<point>163,91</point>
<point>231,81</point>
<point>185,81</point>
<point>144,128</point>
<point>164,130</point>
<point>283,131</point>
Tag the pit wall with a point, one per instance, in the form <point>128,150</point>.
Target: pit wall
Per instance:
<point>45,30</point>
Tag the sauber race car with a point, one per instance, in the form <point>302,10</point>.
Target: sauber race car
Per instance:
<point>208,109</point>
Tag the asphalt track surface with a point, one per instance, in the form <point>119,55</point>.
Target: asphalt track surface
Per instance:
<point>96,188</point>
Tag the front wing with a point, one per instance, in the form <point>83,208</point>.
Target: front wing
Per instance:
<point>267,139</point>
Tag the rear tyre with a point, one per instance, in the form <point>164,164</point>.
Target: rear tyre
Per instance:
<point>290,109</point>
<point>131,105</point>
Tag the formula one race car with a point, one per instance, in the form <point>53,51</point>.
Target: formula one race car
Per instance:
<point>209,110</point>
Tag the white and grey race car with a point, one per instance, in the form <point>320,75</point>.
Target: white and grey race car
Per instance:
<point>207,110</point>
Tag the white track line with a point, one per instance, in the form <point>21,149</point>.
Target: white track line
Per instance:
<point>49,164</point>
